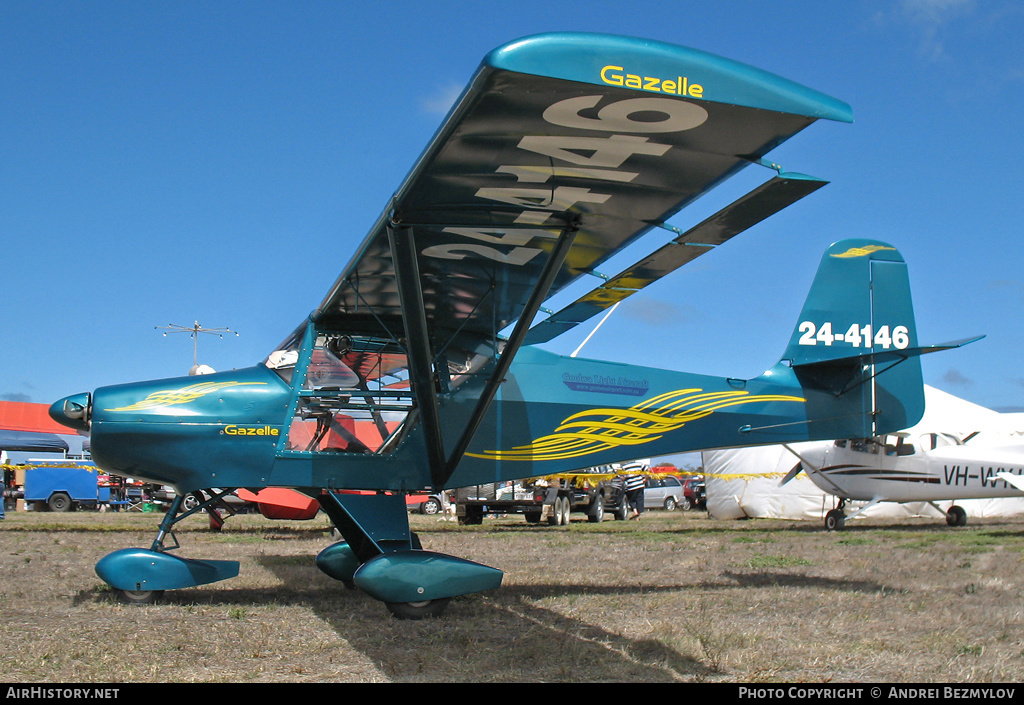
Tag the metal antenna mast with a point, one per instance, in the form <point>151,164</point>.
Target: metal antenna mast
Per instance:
<point>194,332</point>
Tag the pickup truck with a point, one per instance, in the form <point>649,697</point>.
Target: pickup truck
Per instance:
<point>551,499</point>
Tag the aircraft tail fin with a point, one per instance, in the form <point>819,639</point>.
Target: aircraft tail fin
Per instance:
<point>856,339</point>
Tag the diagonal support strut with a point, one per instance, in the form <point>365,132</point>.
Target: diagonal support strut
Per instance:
<point>512,345</point>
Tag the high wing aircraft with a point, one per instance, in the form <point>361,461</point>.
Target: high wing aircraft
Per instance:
<point>563,149</point>
<point>916,466</point>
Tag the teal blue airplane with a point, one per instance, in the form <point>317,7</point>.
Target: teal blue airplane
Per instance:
<point>420,370</point>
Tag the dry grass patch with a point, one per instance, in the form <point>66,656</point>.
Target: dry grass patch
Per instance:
<point>674,597</point>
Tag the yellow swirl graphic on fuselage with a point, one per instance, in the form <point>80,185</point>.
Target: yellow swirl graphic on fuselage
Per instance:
<point>173,397</point>
<point>863,251</point>
<point>595,430</point>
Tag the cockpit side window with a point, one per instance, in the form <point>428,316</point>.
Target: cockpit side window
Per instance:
<point>354,397</point>
<point>931,441</point>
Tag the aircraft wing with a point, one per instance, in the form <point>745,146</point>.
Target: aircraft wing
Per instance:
<point>1015,480</point>
<point>562,150</point>
<point>582,137</point>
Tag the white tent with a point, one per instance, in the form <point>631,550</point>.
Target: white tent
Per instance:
<point>744,482</point>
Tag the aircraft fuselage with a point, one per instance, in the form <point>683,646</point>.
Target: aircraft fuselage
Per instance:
<point>553,413</point>
<point>866,470</point>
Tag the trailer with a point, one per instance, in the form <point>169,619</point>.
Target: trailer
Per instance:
<point>551,499</point>
<point>62,485</point>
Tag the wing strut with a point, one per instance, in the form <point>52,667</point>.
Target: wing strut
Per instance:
<point>515,340</point>
<point>407,274</point>
<point>749,210</point>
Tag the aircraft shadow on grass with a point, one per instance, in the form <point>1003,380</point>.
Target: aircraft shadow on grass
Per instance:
<point>491,617</point>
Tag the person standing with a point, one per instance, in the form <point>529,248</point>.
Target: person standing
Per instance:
<point>633,485</point>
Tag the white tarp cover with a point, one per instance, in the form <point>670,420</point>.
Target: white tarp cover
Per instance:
<point>744,482</point>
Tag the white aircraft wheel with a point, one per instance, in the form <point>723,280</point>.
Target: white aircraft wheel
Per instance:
<point>139,597</point>
<point>418,610</point>
<point>835,520</point>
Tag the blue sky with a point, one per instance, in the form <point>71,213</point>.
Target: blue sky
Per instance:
<point>164,163</point>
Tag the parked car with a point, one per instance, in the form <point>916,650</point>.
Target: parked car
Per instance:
<point>694,494</point>
<point>663,492</point>
<point>424,503</point>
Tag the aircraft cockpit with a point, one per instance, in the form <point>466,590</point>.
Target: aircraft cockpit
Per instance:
<point>879,445</point>
<point>354,395</point>
<point>900,444</point>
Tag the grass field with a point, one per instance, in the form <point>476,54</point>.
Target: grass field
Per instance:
<point>673,597</point>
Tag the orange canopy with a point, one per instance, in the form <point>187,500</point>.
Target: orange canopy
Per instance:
<point>33,418</point>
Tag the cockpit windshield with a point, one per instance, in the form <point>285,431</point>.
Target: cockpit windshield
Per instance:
<point>282,360</point>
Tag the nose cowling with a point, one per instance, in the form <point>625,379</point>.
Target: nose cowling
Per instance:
<point>73,412</point>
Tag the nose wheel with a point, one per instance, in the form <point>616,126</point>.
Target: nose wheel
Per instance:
<point>835,520</point>
<point>139,576</point>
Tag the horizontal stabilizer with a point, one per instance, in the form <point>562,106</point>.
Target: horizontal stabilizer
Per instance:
<point>840,375</point>
<point>749,210</point>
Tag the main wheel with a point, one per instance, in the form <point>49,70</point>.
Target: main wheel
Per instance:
<point>139,597</point>
<point>835,520</point>
<point>956,516</point>
<point>418,610</point>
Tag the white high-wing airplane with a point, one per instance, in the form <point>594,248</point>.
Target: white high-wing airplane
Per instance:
<point>913,466</point>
